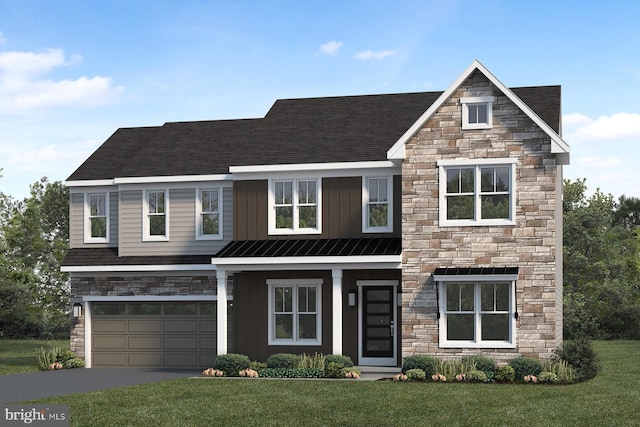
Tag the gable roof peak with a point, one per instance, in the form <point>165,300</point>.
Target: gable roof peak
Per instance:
<point>558,145</point>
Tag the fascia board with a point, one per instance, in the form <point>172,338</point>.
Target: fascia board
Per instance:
<point>558,145</point>
<point>129,268</point>
<point>306,167</point>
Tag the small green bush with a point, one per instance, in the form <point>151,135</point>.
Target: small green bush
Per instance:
<point>334,370</point>
<point>565,372</point>
<point>64,356</point>
<point>231,364</point>
<point>483,363</point>
<point>420,361</point>
<point>582,357</point>
<point>73,363</point>
<point>547,378</point>
<point>338,358</point>
<point>476,377</point>
<point>257,366</point>
<point>283,360</point>
<point>416,374</point>
<point>291,373</point>
<point>504,374</point>
<point>523,366</point>
<point>44,357</point>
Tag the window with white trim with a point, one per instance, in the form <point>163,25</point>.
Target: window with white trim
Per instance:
<point>294,206</point>
<point>295,312</point>
<point>96,222</point>
<point>209,214</point>
<point>481,193</point>
<point>377,211</point>
<point>477,112</point>
<point>155,215</point>
<point>477,314</point>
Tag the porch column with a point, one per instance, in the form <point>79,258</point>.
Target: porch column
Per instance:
<point>221,332</point>
<point>336,311</point>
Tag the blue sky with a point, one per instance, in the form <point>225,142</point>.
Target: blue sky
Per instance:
<point>71,73</point>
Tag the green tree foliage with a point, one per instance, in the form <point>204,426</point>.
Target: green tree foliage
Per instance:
<point>601,265</point>
<point>34,294</point>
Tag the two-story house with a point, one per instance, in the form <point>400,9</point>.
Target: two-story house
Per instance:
<point>372,226</point>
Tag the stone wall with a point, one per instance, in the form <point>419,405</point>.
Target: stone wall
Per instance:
<point>529,245</point>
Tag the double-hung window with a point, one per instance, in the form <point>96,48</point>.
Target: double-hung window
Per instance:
<point>294,206</point>
<point>377,212</point>
<point>295,312</point>
<point>477,314</point>
<point>477,112</point>
<point>209,214</point>
<point>96,225</point>
<point>155,215</point>
<point>477,192</point>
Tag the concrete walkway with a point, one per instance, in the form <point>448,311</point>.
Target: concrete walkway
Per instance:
<point>37,385</point>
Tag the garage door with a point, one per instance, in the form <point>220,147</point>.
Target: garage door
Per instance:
<point>153,334</point>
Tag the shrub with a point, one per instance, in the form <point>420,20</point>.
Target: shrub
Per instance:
<point>482,363</point>
<point>338,358</point>
<point>351,372</point>
<point>523,366</point>
<point>231,364</point>
<point>73,363</point>
<point>257,366</point>
<point>45,358</point>
<point>547,377</point>
<point>333,370</point>
<point>306,361</point>
<point>291,373</point>
<point>420,361</point>
<point>504,374</point>
<point>416,374</point>
<point>581,356</point>
<point>476,377</point>
<point>282,360</point>
<point>64,356</point>
<point>565,372</point>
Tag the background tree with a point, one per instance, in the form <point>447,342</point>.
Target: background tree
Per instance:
<point>601,266</point>
<point>34,294</point>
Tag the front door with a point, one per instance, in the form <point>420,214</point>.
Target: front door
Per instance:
<point>377,323</point>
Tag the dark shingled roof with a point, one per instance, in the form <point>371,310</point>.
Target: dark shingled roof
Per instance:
<point>81,257</point>
<point>312,130</point>
<point>312,247</point>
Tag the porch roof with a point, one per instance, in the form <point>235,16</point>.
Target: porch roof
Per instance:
<point>311,248</point>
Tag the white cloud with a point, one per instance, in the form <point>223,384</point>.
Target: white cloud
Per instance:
<point>615,127</point>
<point>370,54</point>
<point>331,48</point>
<point>24,88</point>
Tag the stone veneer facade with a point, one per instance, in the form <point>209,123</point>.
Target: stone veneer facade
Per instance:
<point>127,286</point>
<point>534,244</point>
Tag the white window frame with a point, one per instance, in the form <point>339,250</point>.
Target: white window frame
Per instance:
<point>146,214</point>
<point>295,204</point>
<point>366,202</point>
<point>474,101</point>
<point>295,284</point>
<point>199,212</point>
<point>477,342</point>
<point>477,164</point>
<point>87,217</point>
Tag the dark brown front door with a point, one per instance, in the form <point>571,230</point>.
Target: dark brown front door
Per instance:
<point>377,321</point>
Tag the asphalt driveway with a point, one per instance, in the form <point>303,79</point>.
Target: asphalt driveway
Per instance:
<point>36,385</point>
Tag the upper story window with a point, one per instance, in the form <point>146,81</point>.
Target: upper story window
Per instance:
<point>377,211</point>
<point>477,192</point>
<point>209,213</point>
<point>96,221</point>
<point>477,112</point>
<point>294,206</point>
<point>295,311</point>
<point>155,215</point>
<point>477,314</point>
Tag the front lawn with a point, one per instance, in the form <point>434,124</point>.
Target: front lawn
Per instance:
<point>610,399</point>
<point>18,356</point>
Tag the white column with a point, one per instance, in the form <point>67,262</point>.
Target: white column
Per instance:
<point>221,332</point>
<point>336,310</point>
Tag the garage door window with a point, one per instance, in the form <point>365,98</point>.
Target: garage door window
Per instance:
<point>144,309</point>
<point>107,309</point>
<point>180,309</point>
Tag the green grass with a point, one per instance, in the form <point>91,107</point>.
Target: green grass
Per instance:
<point>610,399</point>
<point>18,356</point>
